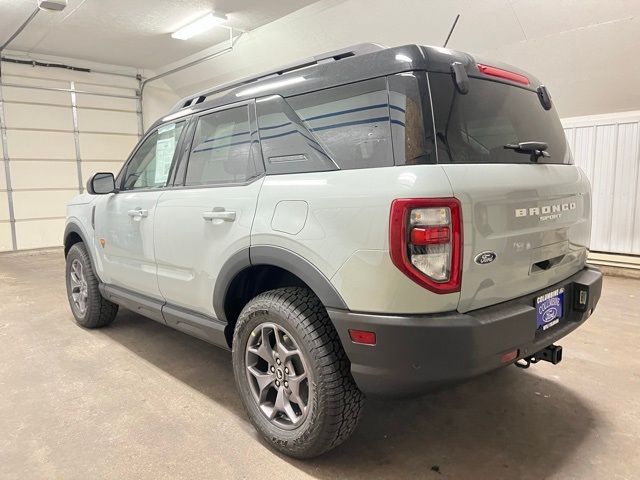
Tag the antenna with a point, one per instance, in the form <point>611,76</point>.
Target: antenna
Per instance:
<point>455,22</point>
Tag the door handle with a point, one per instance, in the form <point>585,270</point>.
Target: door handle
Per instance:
<point>138,213</point>
<point>219,213</point>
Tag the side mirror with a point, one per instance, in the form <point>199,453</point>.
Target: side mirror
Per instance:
<point>101,184</point>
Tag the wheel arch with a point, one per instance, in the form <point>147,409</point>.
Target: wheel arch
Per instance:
<point>73,234</point>
<point>257,269</point>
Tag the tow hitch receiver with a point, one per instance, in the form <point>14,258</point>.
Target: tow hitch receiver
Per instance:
<point>552,354</point>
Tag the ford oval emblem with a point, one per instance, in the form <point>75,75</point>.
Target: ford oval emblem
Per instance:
<point>550,314</point>
<point>485,257</point>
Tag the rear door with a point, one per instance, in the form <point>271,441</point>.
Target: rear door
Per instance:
<point>207,218</point>
<point>124,221</point>
<point>526,224</point>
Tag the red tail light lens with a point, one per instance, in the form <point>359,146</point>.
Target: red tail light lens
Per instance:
<point>500,73</point>
<point>425,241</point>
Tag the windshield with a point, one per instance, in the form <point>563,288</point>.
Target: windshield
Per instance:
<point>474,128</point>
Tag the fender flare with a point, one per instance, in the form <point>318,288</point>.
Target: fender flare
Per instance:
<point>277,257</point>
<point>74,227</point>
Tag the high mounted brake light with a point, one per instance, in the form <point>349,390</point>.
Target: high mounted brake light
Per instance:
<point>425,241</point>
<point>500,73</point>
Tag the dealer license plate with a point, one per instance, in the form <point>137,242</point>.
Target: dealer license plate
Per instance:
<point>549,309</point>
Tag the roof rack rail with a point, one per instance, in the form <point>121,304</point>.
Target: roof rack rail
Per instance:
<point>359,49</point>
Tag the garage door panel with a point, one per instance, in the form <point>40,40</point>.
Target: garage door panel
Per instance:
<point>41,204</point>
<point>45,117</point>
<point>96,146</point>
<point>40,233</point>
<point>5,237</point>
<point>107,121</point>
<point>47,173</point>
<point>4,207</point>
<point>30,80</point>
<point>88,101</point>
<point>91,168</point>
<point>3,179</point>
<point>37,145</point>
<point>14,94</point>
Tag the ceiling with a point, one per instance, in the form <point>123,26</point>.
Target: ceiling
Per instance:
<point>131,33</point>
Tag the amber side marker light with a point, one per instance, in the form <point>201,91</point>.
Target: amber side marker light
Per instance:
<point>362,337</point>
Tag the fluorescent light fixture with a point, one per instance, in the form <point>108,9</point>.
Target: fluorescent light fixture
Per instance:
<point>199,26</point>
<point>269,86</point>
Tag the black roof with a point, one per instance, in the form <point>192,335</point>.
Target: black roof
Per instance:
<point>356,63</point>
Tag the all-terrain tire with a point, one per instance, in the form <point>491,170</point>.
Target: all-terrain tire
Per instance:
<point>98,311</point>
<point>335,401</point>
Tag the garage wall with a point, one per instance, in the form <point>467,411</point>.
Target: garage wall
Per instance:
<point>607,148</point>
<point>60,127</point>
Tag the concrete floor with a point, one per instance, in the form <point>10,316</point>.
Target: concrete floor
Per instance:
<point>140,400</point>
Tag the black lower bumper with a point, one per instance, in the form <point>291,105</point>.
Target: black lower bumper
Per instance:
<point>417,353</point>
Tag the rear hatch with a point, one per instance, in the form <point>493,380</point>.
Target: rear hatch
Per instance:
<point>526,217</point>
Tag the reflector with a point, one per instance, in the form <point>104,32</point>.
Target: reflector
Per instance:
<point>362,337</point>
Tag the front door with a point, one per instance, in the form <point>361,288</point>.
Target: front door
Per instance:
<point>124,220</point>
<point>202,223</point>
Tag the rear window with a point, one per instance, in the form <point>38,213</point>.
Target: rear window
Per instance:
<point>474,128</point>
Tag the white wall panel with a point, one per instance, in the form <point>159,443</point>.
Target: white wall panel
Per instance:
<point>37,174</point>
<point>106,147</point>
<point>39,233</point>
<point>41,204</point>
<point>45,117</point>
<point>107,121</point>
<point>607,148</point>
<point>36,145</point>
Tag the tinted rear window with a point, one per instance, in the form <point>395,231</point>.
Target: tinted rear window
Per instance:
<point>474,128</point>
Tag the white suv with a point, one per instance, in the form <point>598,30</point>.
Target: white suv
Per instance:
<point>370,221</point>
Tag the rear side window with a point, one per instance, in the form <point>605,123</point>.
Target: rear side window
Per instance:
<point>411,124</point>
<point>350,122</point>
<point>474,128</point>
<point>221,149</point>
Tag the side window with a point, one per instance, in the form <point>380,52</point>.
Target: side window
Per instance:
<point>220,152</point>
<point>287,145</point>
<point>411,123</point>
<point>150,165</point>
<point>351,122</point>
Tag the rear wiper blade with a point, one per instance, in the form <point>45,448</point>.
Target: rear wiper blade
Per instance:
<point>535,149</point>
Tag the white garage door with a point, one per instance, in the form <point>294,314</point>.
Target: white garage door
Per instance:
<point>58,128</point>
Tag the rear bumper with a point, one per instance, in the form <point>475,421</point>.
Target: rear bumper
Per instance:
<point>417,353</point>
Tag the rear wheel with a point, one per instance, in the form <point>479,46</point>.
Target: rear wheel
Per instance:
<point>293,375</point>
<point>89,307</point>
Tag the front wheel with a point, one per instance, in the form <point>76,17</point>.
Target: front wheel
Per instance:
<point>89,307</point>
<point>293,375</point>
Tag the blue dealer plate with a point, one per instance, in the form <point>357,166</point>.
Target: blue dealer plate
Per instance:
<point>549,309</point>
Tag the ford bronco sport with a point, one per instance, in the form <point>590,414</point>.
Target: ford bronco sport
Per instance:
<point>373,221</point>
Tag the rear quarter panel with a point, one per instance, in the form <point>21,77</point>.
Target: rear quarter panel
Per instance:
<point>345,231</point>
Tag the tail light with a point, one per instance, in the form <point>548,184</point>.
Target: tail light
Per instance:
<point>425,241</point>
